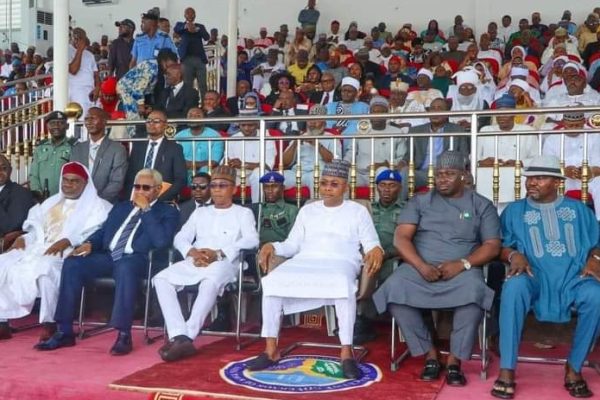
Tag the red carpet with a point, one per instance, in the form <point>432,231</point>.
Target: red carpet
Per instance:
<point>199,375</point>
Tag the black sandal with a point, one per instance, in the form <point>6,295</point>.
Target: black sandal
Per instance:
<point>578,389</point>
<point>503,389</point>
<point>455,376</point>
<point>431,370</point>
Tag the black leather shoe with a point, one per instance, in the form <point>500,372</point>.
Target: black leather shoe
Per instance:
<point>123,345</point>
<point>221,324</point>
<point>5,332</point>
<point>350,369</point>
<point>455,377</point>
<point>56,341</point>
<point>165,348</point>
<point>259,363</point>
<point>180,347</point>
<point>431,370</point>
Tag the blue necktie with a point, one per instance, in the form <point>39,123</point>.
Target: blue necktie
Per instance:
<point>150,156</point>
<point>119,249</point>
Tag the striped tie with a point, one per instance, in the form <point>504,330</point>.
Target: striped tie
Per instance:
<point>119,249</point>
<point>150,156</point>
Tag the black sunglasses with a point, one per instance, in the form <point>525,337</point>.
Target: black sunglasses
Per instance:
<point>201,186</point>
<point>145,188</point>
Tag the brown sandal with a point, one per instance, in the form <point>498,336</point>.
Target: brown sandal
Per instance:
<point>503,389</point>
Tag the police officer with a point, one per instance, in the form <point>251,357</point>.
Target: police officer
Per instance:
<point>50,155</point>
<point>385,213</point>
<point>275,217</point>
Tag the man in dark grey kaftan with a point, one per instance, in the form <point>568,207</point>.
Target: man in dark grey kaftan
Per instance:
<point>444,237</point>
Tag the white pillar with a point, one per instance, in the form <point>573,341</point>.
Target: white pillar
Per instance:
<point>61,53</point>
<point>232,28</point>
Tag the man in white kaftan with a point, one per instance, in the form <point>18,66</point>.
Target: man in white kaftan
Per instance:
<point>211,241</point>
<point>573,154</point>
<point>324,245</point>
<point>32,267</point>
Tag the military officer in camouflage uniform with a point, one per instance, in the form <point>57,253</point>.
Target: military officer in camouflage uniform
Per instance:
<point>50,155</point>
<point>385,214</point>
<point>275,217</point>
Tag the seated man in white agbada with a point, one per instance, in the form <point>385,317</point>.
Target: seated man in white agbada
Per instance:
<point>325,248</point>
<point>33,266</point>
<point>211,241</point>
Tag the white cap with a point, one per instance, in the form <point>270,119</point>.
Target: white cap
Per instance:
<point>426,72</point>
<point>520,83</point>
<point>469,76</point>
<point>350,81</point>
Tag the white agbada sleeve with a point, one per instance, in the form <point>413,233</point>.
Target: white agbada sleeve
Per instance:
<point>291,246</point>
<point>366,231</point>
<point>184,239</point>
<point>270,153</point>
<point>34,226</point>
<point>247,240</point>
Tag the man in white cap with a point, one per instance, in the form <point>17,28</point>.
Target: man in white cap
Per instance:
<point>32,267</point>
<point>573,154</point>
<point>551,245</point>
<point>424,93</point>
<point>349,105</point>
<point>385,152</point>
<point>578,91</point>
<point>328,150</point>
<point>324,265</point>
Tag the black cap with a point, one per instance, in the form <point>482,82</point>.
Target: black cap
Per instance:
<point>153,13</point>
<point>126,22</point>
<point>56,115</point>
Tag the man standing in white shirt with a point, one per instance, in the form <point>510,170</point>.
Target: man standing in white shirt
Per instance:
<point>84,82</point>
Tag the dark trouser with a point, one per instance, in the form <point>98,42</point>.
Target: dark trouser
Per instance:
<point>80,271</point>
<point>194,68</point>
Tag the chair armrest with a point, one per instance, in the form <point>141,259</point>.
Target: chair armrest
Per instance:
<point>8,239</point>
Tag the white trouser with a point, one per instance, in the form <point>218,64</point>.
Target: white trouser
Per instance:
<point>345,311</point>
<point>169,304</point>
<point>593,189</point>
<point>48,298</point>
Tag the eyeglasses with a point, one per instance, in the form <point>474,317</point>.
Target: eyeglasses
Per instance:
<point>220,185</point>
<point>331,184</point>
<point>199,186</point>
<point>144,188</point>
<point>155,121</point>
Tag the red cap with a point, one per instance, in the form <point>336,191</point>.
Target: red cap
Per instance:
<point>75,168</point>
<point>109,86</point>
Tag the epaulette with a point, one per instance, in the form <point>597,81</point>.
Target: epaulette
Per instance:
<point>139,35</point>
<point>43,142</point>
<point>161,33</point>
<point>72,141</point>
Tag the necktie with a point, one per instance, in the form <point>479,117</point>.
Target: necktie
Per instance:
<point>171,95</point>
<point>150,156</point>
<point>240,103</point>
<point>119,249</point>
<point>93,152</point>
<point>325,99</point>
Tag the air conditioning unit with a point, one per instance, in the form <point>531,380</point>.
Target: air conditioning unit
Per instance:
<point>43,35</point>
<point>98,2</point>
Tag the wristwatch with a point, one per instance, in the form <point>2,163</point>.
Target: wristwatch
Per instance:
<point>220,255</point>
<point>596,257</point>
<point>466,263</point>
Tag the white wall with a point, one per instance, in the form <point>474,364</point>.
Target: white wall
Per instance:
<point>271,13</point>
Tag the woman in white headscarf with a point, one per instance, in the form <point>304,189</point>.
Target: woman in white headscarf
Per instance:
<point>466,95</point>
<point>32,267</point>
<point>487,85</point>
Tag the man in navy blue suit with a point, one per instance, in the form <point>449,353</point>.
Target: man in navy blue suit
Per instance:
<point>119,248</point>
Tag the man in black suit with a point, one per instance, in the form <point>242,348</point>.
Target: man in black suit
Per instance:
<point>421,151</point>
<point>179,97</point>
<point>106,160</point>
<point>211,105</point>
<point>327,94</point>
<point>119,249</point>
<point>200,197</point>
<point>286,105</point>
<point>158,153</point>
<point>15,201</point>
<point>235,103</point>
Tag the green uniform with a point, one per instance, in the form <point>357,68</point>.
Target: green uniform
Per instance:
<point>48,160</point>
<point>276,221</point>
<point>385,221</point>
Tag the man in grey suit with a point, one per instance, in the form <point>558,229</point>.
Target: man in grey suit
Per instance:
<point>422,153</point>
<point>105,159</point>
